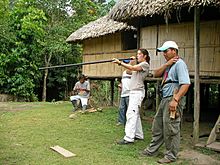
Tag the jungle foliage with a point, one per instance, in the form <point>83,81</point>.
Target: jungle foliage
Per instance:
<point>33,34</point>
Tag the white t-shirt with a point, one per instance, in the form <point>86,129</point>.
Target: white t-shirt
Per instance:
<point>82,86</point>
<point>137,78</point>
<point>125,81</point>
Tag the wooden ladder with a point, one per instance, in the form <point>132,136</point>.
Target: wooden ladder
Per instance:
<point>211,142</point>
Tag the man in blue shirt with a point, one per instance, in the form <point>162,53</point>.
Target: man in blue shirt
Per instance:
<point>175,84</point>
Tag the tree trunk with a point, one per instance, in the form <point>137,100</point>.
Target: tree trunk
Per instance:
<point>47,62</point>
<point>44,94</point>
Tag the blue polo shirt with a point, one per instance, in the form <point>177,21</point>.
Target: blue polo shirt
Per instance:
<point>179,74</point>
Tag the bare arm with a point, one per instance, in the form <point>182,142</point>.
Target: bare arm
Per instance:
<point>182,91</point>
<point>159,71</point>
<point>128,66</point>
<point>76,88</point>
<point>131,67</point>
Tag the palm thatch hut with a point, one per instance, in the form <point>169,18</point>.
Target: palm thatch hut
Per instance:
<point>104,39</point>
<point>160,20</point>
<point>194,25</point>
<point>126,10</point>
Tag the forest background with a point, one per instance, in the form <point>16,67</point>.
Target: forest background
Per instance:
<point>33,34</point>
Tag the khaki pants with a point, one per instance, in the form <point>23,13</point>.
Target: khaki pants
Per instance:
<point>166,130</point>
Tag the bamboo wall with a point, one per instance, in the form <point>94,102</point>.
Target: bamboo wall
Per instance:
<point>104,48</point>
<point>183,35</point>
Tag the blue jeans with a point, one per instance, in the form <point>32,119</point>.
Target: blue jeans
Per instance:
<point>123,109</point>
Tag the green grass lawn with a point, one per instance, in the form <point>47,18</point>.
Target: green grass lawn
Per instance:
<point>28,130</point>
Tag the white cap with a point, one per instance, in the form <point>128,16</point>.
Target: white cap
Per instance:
<point>167,45</point>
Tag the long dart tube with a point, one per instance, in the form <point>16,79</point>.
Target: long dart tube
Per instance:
<point>83,63</point>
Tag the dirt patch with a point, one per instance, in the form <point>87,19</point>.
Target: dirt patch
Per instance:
<point>190,154</point>
<point>196,158</point>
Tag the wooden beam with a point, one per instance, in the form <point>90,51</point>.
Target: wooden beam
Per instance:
<point>110,52</point>
<point>196,78</point>
<point>214,146</point>
<point>210,81</point>
<point>213,134</point>
<point>152,79</point>
<point>63,151</point>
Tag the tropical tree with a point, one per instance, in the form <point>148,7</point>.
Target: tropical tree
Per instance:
<point>64,17</point>
<point>5,41</point>
<point>19,60</point>
<point>33,34</point>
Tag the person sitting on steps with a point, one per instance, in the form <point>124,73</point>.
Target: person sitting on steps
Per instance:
<point>82,91</point>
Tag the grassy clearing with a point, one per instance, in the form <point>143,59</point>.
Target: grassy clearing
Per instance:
<point>27,135</point>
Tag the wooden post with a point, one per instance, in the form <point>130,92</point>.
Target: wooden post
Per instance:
<point>157,40</point>
<point>112,92</point>
<point>196,75</point>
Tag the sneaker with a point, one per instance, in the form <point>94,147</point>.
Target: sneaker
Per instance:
<point>123,142</point>
<point>164,161</point>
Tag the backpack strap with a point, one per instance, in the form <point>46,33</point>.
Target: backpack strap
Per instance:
<point>170,81</point>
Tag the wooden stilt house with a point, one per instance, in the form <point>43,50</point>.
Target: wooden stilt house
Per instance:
<point>105,39</point>
<point>194,25</point>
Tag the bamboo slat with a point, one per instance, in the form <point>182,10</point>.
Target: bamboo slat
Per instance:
<point>183,35</point>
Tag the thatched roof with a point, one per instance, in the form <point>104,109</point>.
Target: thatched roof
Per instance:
<point>100,27</point>
<point>129,9</point>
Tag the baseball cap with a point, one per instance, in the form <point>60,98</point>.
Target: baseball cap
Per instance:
<point>167,45</point>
